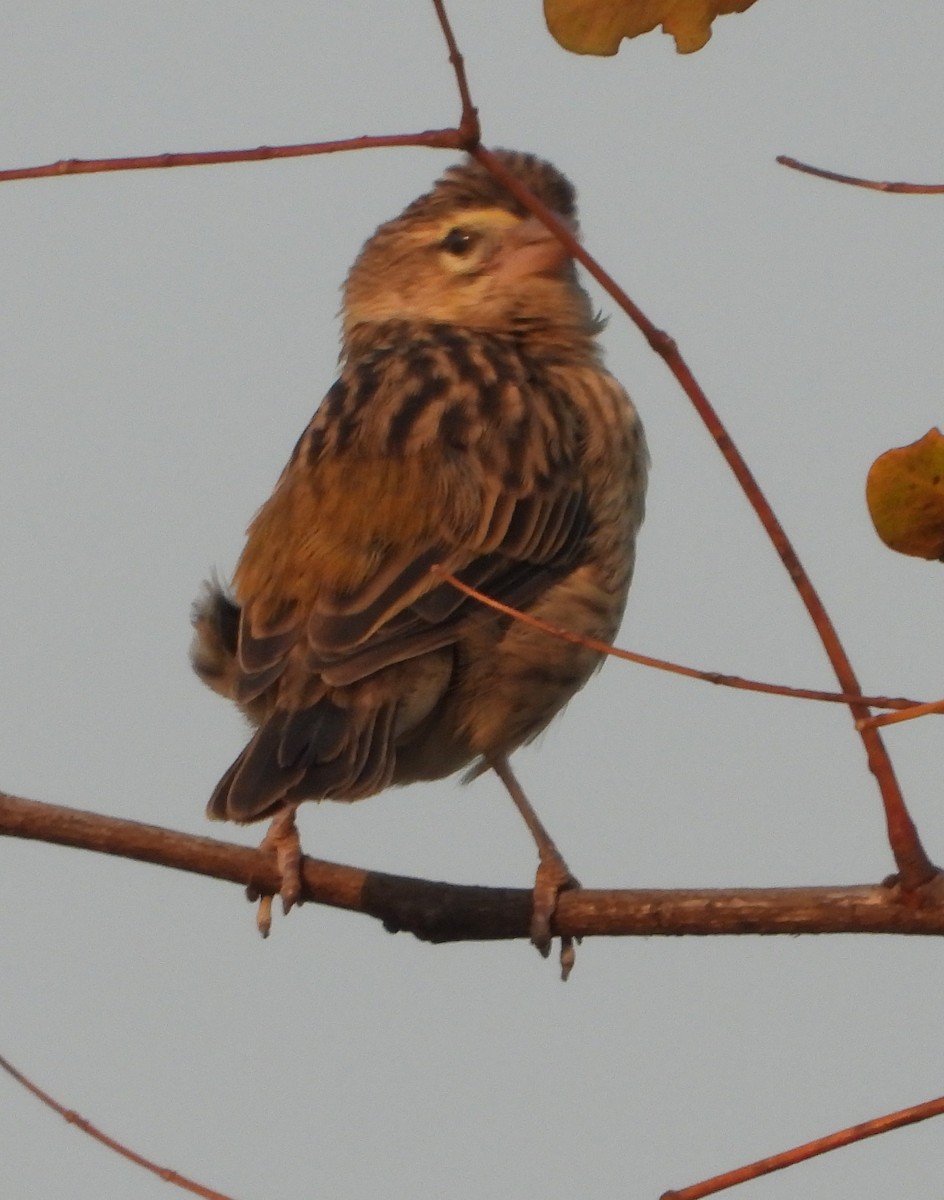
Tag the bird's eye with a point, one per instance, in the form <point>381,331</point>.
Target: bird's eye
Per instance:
<point>458,241</point>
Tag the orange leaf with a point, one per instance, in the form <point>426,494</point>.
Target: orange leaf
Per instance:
<point>905,495</point>
<point>598,26</point>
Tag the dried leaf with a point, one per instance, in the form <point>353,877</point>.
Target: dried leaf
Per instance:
<point>905,495</point>
<point>598,26</point>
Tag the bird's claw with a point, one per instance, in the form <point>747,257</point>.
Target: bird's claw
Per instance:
<point>553,877</point>
<point>263,912</point>
<point>282,837</point>
<point>288,855</point>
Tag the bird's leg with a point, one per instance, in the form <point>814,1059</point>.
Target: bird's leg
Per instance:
<point>553,875</point>
<point>282,838</point>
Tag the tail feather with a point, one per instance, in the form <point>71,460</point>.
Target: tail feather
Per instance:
<point>215,619</point>
<point>310,754</point>
<point>315,734</point>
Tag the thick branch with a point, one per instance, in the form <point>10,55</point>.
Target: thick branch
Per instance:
<point>446,912</point>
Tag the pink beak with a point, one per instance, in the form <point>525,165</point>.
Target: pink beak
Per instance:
<point>529,249</point>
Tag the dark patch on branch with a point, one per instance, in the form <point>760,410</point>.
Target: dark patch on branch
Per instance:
<point>449,912</point>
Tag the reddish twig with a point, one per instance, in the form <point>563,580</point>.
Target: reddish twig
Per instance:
<point>823,1145</point>
<point>661,664</point>
<point>876,185</point>
<point>463,137</point>
<point>906,714</point>
<point>914,866</point>
<point>469,130</point>
<point>181,1181</point>
<point>439,139</point>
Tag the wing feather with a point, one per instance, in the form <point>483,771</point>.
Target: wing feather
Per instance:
<point>334,585</point>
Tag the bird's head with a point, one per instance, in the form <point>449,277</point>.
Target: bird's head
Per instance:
<point>468,254</point>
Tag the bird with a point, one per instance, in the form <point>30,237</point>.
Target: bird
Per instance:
<point>472,431</point>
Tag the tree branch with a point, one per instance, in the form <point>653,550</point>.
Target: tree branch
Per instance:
<point>876,185</point>
<point>822,1145</point>
<point>448,912</point>
<point>468,128</point>
<point>74,1118</point>
<point>437,139</point>
<point>908,709</point>
<point>905,714</point>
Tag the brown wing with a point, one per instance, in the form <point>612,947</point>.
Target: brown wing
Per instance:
<point>440,451</point>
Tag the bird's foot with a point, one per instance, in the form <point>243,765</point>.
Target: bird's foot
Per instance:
<point>282,838</point>
<point>553,877</point>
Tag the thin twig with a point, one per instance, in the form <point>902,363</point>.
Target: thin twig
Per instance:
<point>440,139</point>
<point>876,185</point>
<point>661,664</point>
<point>907,714</point>
<point>463,137</point>
<point>181,1181</point>
<point>832,1141</point>
<point>469,129</point>
<point>914,866</point>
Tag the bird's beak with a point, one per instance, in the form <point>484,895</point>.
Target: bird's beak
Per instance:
<point>529,248</point>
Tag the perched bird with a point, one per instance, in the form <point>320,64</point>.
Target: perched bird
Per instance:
<point>473,427</point>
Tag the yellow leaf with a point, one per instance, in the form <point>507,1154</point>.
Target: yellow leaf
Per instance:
<point>905,495</point>
<point>598,26</point>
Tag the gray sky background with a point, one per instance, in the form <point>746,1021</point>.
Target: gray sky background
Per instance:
<point>165,337</point>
